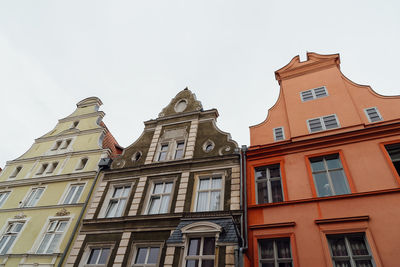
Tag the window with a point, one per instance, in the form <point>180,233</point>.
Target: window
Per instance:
<point>66,144</point>
<point>74,124</point>
<point>146,256</point>
<point>394,153</point>
<point>373,114</point>
<point>51,168</point>
<point>200,252</point>
<point>163,152</point>
<point>42,169</point>
<point>179,150</point>
<point>329,176</point>
<point>15,172</point>
<point>11,233</point>
<point>209,194</point>
<point>98,256</point>
<point>119,197</point>
<point>52,237</point>
<point>57,145</point>
<point>323,123</point>
<point>73,194</point>
<point>82,164</point>
<point>33,197</point>
<point>160,198</point>
<point>268,184</point>
<point>279,134</point>
<point>275,252</point>
<point>314,93</point>
<point>350,250</point>
<point>3,197</point>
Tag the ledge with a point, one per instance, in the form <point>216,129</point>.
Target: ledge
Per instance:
<point>273,225</point>
<point>343,219</point>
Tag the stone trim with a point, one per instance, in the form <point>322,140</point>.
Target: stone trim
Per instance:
<point>230,256</point>
<point>169,256</point>
<point>123,246</point>
<point>138,196</point>
<point>191,142</point>
<point>95,201</point>
<point>83,116</point>
<point>71,134</point>
<point>180,202</point>
<point>235,189</point>
<point>73,255</point>
<point>153,145</point>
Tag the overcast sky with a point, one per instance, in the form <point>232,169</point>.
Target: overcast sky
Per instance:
<point>137,55</point>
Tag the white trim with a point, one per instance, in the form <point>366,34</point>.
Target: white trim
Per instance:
<point>377,112</point>
<point>198,177</point>
<point>314,96</point>
<point>111,188</point>
<point>66,191</point>
<point>152,182</point>
<point>23,202</point>
<point>135,248</point>
<point>283,133</point>
<point>88,249</point>
<point>321,119</point>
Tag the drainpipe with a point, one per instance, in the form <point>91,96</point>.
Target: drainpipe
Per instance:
<point>243,203</point>
<point>104,163</point>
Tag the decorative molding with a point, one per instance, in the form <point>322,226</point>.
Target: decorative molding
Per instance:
<point>273,225</point>
<point>343,219</point>
<point>20,215</point>
<point>55,137</point>
<point>63,212</point>
<point>83,116</point>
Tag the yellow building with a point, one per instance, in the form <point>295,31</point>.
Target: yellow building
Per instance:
<point>44,191</point>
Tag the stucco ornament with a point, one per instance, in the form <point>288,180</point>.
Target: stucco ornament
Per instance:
<point>118,163</point>
<point>184,101</point>
<point>62,212</point>
<point>20,215</point>
<point>223,150</point>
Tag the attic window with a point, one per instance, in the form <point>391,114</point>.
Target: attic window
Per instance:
<point>323,123</point>
<point>66,144</point>
<point>57,145</point>
<point>181,105</point>
<point>208,146</point>
<point>279,134</point>
<point>42,169</point>
<point>82,164</point>
<point>373,114</point>
<point>136,156</point>
<point>74,124</point>
<point>314,93</point>
<point>15,172</point>
<point>52,167</point>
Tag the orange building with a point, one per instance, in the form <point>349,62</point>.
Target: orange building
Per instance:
<point>323,185</point>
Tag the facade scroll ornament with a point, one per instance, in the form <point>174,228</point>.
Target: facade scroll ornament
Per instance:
<point>62,212</point>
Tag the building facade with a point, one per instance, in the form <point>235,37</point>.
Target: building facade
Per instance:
<point>43,192</point>
<point>170,199</point>
<point>323,170</point>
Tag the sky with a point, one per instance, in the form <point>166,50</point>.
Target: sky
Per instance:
<point>137,55</point>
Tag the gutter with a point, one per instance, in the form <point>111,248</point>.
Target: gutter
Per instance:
<point>243,204</point>
<point>104,163</point>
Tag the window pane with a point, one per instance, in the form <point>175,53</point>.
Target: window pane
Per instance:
<point>339,182</point>
<point>121,207</point>
<point>94,254</point>
<point>8,244</point>
<point>117,192</point>
<point>317,165</point>
<point>276,189</point>
<point>112,206</point>
<point>168,187</point>
<point>179,154</point>
<point>204,184</point>
<point>209,246</point>
<point>274,171</point>
<point>61,226</point>
<point>363,263</point>
<point>162,156</point>
<point>158,188</point>
<point>153,255</point>
<point>323,187</point>
<point>17,227</point>
<point>216,183</point>
<point>285,264</point>
<point>53,243</point>
<point>192,263</point>
<point>127,189</point>
<point>261,173</point>
<point>70,194</point>
<point>2,242</point>
<point>207,263</point>
<point>283,248</point>
<point>194,246</point>
<point>154,205</point>
<point>77,194</point>
<point>262,192</point>
<point>338,246</point>
<point>141,255</point>
<point>202,201</point>
<point>266,249</point>
<point>358,246</point>
<point>215,200</point>
<point>333,162</point>
<point>342,264</point>
<point>44,243</point>
<point>104,255</point>
<point>164,204</point>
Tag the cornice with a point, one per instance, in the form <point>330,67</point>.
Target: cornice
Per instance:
<point>180,115</point>
<point>58,206</point>
<point>48,179</point>
<point>64,155</point>
<point>83,116</point>
<point>55,137</point>
<point>343,219</point>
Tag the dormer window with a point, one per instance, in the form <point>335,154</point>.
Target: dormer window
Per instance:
<point>15,172</point>
<point>313,93</point>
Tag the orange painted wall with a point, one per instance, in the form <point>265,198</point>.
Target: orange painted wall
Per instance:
<point>371,208</point>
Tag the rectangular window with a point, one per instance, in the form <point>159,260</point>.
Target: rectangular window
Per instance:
<point>15,172</point>
<point>180,145</point>
<point>52,237</point>
<point>82,164</point>
<point>200,252</point>
<point>3,197</point>
<point>323,123</point>
<point>74,193</point>
<point>163,152</point>
<point>66,144</point>
<point>11,233</point>
<point>209,194</point>
<point>146,256</point>
<point>394,153</point>
<point>57,145</point>
<point>329,176</point>
<point>117,203</point>
<point>33,197</point>
<point>279,134</point>
<point>42,169</point>
<point>314,93</point>
<point>160,197</point>
<point>98,256</point>
<point>269,184</point>
<point>373,114</point>
<point>51,168</point>
<point>275,252</point>
<point>350,250</point>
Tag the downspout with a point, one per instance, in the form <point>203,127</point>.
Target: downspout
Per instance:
<point>103,164</point>
<point>243,204</point>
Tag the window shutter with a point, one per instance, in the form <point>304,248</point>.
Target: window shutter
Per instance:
<point>373,114</point>
<point>307,95</point>
<point>320,92</point>
<point>315,125</point>
<point>330,122</point>
<point>278,134</point>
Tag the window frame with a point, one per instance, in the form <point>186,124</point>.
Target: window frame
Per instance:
<point>108,198</point>
<point>314,95</point>
<point>276,259</point>
<point>88,249</point>
<point>15,172</point>
<point>45,231</point>
<point>4,196</point>
<point>199,257</point>
<point>17,234</point>
<point>135,249</point>
<point>171,138</point>
<point>283,133</point>
<point>28,195</point>
<point>149,194</point>
<point>321,120</point>
<point>67,190</point>
<point>197,187</point>
<point>268,179</point>
<point>79,167</point>
<point>377,112</point>
<point>389,158</point>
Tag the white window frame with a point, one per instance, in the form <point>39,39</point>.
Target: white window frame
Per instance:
<point>350,257</point>
<point>176,149</point>
<point>314,95</point>
<point>283,133</point>
<point>276,260</point>
<point>159,151</point>
<point>108,198</point>
<point>3,197</point>
<point>66,192</point>
<point>268,179</point>
<point>321,119</point>
<point>137,246</point>
<point>46,230</point>
<point>209,190</point>
<point>31,192</point>
<point>16,234</point>
<point>150,194</point>
<point>171,142</point>
<point>377,112</point>
<point>89,247</point>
